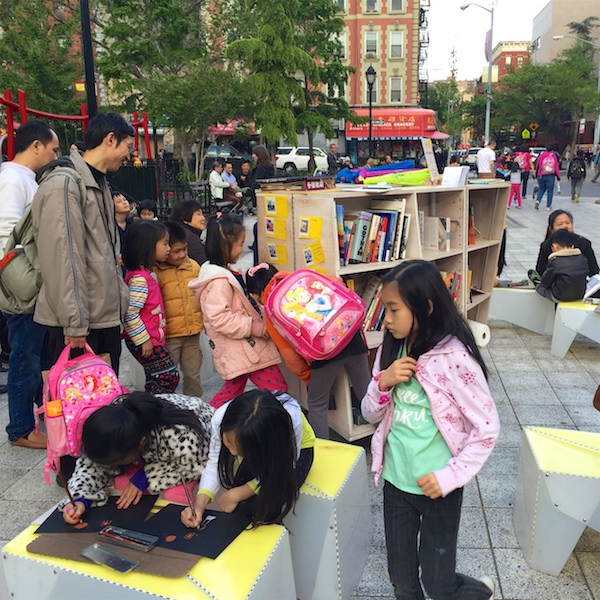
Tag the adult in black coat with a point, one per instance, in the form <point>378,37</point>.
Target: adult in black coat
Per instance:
<point>263,170</point>
<point>562,219</point>
<point>189,214</point>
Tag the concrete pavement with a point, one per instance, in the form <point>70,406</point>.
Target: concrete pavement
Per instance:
<point>530,388</point>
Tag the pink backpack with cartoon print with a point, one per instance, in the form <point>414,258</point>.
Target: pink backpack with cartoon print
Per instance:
<point>73,390</point>
<point>316,315</point>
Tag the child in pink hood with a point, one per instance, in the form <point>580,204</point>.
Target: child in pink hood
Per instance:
<point>437,426</point>
<point>238,337</point>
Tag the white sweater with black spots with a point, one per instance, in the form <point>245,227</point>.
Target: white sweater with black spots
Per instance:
<point>169,454</point>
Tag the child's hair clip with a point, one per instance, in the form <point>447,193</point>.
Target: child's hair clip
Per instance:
<point>252,270</point>
<point>219,215</point>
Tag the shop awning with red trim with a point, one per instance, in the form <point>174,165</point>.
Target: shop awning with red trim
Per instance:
<point>229,128</point>
<point>395,124</point>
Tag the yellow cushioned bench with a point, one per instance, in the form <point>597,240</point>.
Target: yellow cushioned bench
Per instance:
<point>558,494</point>
<point>573,318</point>
<point>330,528</point>
<point>256,566</point>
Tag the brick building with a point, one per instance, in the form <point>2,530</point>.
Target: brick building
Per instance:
<point>510,55</point>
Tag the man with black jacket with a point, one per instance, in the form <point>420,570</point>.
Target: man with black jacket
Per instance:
<point>576,174</point>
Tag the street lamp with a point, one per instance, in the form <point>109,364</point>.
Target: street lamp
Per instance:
<point>88,58</point>
<point>580,39</point>
<point>371,75</point>
<point>488,100</point>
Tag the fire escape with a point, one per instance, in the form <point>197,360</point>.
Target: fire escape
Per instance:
<point>423,50</point>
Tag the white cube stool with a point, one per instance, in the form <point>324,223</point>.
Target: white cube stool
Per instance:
<point>330,528</point>
<point>558,494</point>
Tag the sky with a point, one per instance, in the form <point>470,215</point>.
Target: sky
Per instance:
<point>450,27</point>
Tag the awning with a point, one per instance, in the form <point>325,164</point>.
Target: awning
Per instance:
<point>394,124</point>
<point>229,128</point>
<point>437,135</point>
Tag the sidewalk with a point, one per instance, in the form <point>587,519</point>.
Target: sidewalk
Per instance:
<point>530,388</point>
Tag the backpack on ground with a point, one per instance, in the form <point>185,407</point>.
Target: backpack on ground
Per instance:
<point>73,390</point>
<point>316,315</point>
<point>547,163</point>
<point>20,276</point>
<point>577,170</point>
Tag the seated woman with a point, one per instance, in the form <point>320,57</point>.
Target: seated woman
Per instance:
<point>562,219</point>
<point>140,443</point>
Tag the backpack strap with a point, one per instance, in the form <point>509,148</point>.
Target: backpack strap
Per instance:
<point>74,175</point>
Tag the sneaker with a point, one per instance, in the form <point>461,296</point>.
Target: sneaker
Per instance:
<point>548,208</point>
<point>533,276</point>
<point>490,583</point>
<point>536,206</point>
<point>576,199</point>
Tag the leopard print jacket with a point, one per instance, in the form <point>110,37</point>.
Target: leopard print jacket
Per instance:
<point>170,453</point>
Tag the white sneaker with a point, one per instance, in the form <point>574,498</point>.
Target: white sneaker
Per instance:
<point>490,583</point>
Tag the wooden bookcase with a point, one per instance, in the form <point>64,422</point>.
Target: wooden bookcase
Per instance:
<point>283,240</point>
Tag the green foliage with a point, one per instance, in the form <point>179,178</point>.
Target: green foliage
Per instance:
<point>583,28</point>
<point>272,60</point>
<point>36,54</point>
<point>445,99</point>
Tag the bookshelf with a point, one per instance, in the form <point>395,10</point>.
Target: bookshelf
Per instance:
<point>298,229</point>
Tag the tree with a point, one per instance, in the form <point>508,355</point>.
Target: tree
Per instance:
<point>583,28</point>
<point>272,59</point>
<point>318,25</point>
<point>37,55</point>
<point>156,58</point>
<point>445,99</point>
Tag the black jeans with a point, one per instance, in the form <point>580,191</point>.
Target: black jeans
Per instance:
<point>102,341</point>
<point>405,515</point>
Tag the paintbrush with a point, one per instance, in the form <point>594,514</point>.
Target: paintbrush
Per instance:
<point>65,485</point>
<point>188,496</point>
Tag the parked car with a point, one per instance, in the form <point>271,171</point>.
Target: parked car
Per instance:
<point>225,154</point>
<point>470,158</point>
<point>292,159</point>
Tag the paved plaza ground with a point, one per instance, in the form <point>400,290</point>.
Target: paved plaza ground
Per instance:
<point>530,387</point>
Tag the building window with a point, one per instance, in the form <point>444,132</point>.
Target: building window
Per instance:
<point>396,90</point>
<point>519,62</point>
<point>396,5</point>
<point>508,59</point>
<point>342,4</point>
<point>341,38</point>
<point>372,6</point>
<point>396,44</point>
<point>371,43</point>
<point>374,97</point>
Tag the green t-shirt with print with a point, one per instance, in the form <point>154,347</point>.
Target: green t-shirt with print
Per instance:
<point>414,446</point>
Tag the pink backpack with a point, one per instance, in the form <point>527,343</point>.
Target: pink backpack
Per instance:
<point>547,163</point>
<point>73,390</point>
<point>316,315</point>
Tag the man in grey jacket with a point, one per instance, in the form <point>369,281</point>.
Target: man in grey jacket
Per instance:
<point>83,296</point>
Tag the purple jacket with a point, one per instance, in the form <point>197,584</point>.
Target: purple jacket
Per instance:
<point>461,406</point>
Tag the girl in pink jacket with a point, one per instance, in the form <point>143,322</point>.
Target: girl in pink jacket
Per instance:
<point>238,338</point>
<point>437,426</point>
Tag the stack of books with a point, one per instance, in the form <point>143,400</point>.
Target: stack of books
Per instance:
<point>374,235</point>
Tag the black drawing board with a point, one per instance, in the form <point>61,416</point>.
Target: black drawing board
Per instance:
<point>210,540</point>
<point>100,516</point>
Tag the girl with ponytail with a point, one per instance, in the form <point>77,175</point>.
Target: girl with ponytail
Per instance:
<point>138,443</point>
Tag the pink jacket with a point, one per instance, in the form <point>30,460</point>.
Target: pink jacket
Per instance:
<point>232,324</point>
<point>461,406</point>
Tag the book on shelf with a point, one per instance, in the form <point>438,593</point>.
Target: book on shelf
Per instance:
<point>436,233</point>
<point>395,209</point>
<point>361,232</point>
<point>349,229</point>
<point>452,280</point>
<point>389,218</point>
<point>403,237</point>
<point>421,217</point>
<point>339,218</point>
<point>371,237</point>
<point>379,246</point>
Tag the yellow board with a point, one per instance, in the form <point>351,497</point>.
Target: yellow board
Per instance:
<point>565,451</point>
<point>578,305</point>
<point>231,575</point>
<point>332,463</point>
